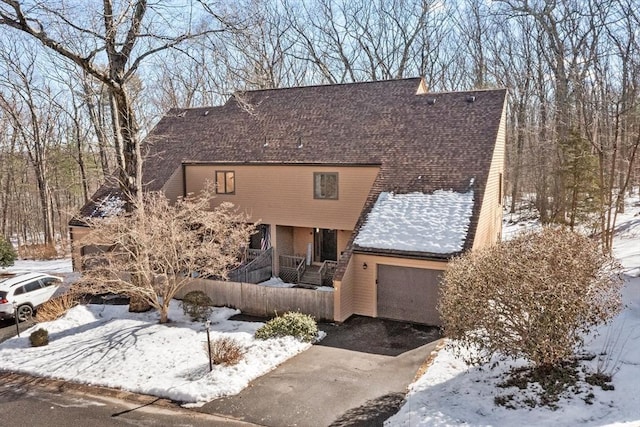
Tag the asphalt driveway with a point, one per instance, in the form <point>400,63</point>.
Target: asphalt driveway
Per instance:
<point>8,328</point>
<point>357,376</point>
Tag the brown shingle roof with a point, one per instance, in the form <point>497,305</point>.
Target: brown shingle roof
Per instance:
<point>423,142</point>
<point>447,142</point>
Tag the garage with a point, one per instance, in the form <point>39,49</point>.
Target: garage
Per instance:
<point>408,294</point>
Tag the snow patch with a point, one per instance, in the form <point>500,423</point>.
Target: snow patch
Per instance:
<point>417,222</point>
<point>109,206</point>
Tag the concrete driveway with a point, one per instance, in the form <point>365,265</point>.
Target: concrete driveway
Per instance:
<point>357,376</point>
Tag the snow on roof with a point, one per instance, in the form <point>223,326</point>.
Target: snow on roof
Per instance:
<point>418,222</point>
<point>111,205</point>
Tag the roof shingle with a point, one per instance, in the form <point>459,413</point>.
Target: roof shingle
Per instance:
<point>423,142</point>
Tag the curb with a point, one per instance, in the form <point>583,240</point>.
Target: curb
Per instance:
<point>58,385</point>
<point>429,360</point>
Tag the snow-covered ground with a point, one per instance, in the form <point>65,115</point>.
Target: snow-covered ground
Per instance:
<point>451,393</point>
<point>108,346</point>
<point>55,266</point>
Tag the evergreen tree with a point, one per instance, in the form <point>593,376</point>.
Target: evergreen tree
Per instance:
<point>8,255</point>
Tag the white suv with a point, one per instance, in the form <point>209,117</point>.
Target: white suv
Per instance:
<point>26,292</point>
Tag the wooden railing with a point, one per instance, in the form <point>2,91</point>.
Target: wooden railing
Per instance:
<point>291,268</point>
<point>254,253</point>
<point>327,270</point>
<point>256,270</point>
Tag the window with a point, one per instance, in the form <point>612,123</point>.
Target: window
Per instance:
<point>325,185</point>
<point>33,286</point>
<point>500,195</point>
<point>225,182</point>
<point>49,281</point>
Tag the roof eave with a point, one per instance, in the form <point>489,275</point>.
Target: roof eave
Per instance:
<point>406,254</point>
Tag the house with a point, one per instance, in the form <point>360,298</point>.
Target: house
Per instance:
<point>366,187</point>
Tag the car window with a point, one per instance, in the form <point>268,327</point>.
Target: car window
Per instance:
<point>48,281</point>
<point>19,290</point>
<point>32,286</point>
<point>3,295</point>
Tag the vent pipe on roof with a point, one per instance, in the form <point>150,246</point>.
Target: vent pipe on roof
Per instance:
<point>299,142</point>
<point>471,98</point>
<point>431,101</point>
<point>206,113</point>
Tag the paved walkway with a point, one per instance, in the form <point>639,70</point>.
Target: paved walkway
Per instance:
<point>357,376</point>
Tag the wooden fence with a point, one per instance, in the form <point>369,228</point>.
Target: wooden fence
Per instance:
<point>265,301</point>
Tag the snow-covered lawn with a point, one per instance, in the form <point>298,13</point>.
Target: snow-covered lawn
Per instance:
<point>452,394</point>
<point>108,346</point>
<point>56,266</point>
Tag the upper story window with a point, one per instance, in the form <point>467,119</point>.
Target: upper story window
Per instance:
<point>225,182</point>
<point>325,185</point>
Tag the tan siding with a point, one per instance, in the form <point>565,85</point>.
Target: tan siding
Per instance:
<point>490,220</point>
<point>301,238</point>
<point>343,240</point>
<point>277,194</point>
<point>174,186</point>
<point>76,233</point>
<point>283,244</point>
<point>343,294</point>
<point>364,280</point>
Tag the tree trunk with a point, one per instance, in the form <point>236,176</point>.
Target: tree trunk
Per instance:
<point>96,114</point>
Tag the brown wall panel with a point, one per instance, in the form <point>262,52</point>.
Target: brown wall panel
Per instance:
<point>277,194</point>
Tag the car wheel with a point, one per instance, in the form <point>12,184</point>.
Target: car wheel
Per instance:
<point>25,312</point>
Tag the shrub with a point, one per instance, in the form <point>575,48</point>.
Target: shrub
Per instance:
<point>39,338</point>
<point>225,351</point>
<point>38,251</point>
<point>56,307</point>
<point>197,305</point>
<point>298,325</point>
<point>8,254</point>
<point>533,297</point>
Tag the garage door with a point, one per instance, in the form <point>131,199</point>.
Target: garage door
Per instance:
<point>408,294</point>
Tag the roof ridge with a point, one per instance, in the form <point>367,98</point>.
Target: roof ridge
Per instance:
<point>205,107</point>
<point>447,92</point>
<point>324,85</point>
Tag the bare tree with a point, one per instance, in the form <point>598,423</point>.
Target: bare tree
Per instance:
<point>27,103</point>
<point>155,250</point>
<point>8,168</point>
<point>128,34</point>
<point>96,100</point>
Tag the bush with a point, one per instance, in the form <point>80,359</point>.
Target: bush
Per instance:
<point>39,338</point>
<point>8,254</point>
<point>225,351</point>
<point>297,325</point>
<point>38,251</point>
<point>56,307</point>
<point>197,305</point>
<point>533,297</point>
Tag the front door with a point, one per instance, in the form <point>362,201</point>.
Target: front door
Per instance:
<point>326,245</point>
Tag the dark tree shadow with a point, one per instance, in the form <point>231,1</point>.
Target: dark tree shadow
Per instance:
<point>373,413</point>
